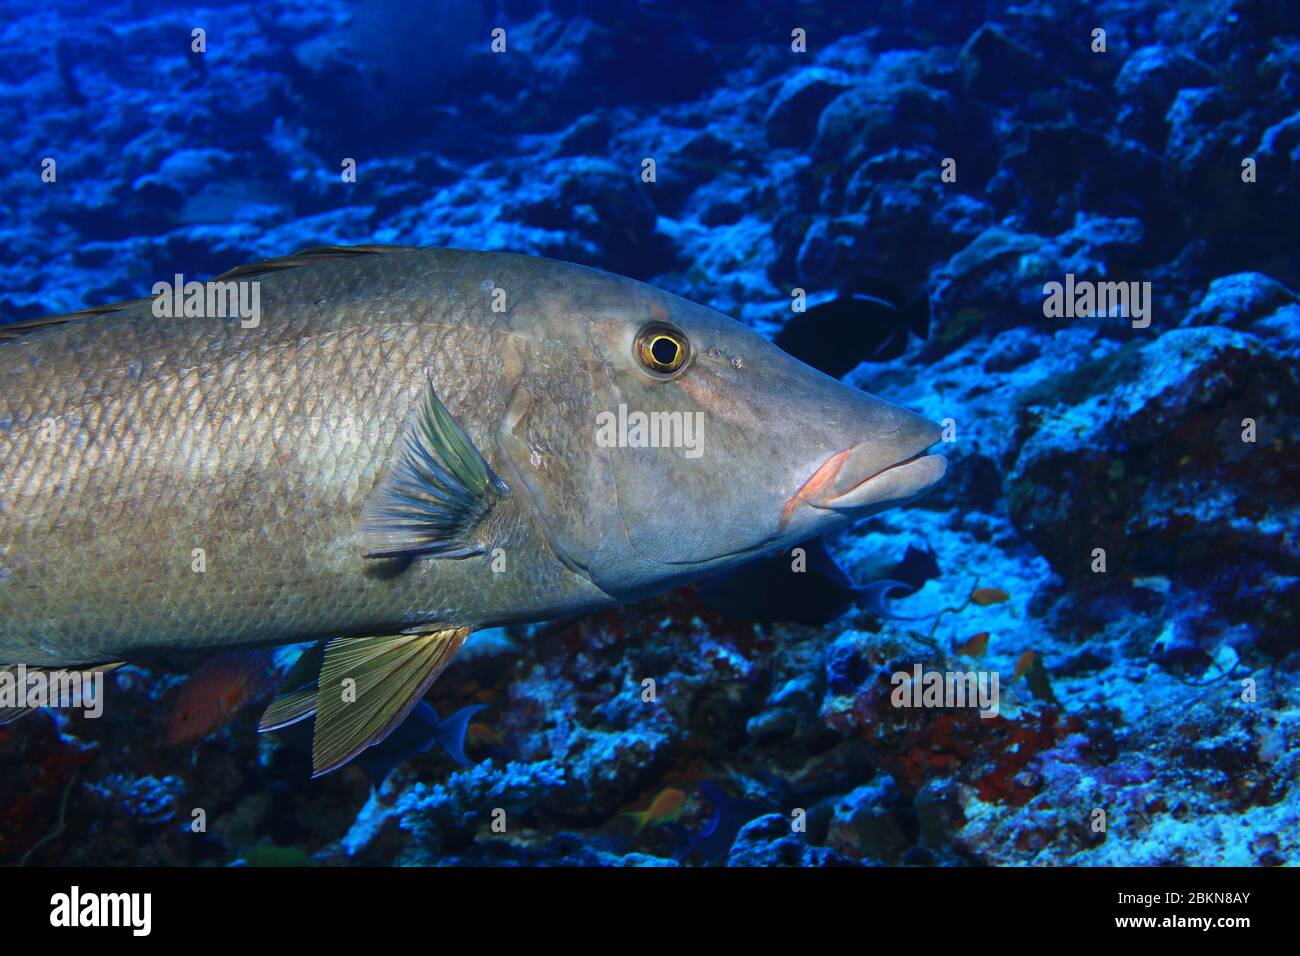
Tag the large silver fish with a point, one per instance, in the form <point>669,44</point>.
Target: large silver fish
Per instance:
<point>408,444</point>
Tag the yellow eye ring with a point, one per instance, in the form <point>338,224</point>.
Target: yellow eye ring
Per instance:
<point>662,349</point>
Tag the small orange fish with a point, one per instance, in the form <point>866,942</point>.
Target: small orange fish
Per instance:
<point>986,596</point>
<point>664,808</point>
<point>217,692</point>
<point>976,646</point>
<point>1023,663</point>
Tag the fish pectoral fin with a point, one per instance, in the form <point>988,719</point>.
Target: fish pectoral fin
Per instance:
<point>9,714</point>
<point>369,684</point>
<point>433,502</point>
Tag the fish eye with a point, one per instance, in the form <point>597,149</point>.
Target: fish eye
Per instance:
<point>662,349</point>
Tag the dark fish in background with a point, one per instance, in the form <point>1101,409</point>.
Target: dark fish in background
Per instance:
<point>214,694</point>
<point>835,336</point>
<point>918,566</point>
<point>713,842</point>
<point>420,731</point>
<point>1031,667</point>
<point>65,57</point>
<point>771,591</point>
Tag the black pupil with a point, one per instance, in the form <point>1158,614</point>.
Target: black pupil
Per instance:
<point>664,351</point>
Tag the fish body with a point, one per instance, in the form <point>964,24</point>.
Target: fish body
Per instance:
<point>405,445</point>
<point>217,691</point>
<point>984,597</point>
<point>664,808</point>
<point>257,446</point>
<point>853,327</point>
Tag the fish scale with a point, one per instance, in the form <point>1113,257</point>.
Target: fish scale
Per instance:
<point>217,436</point>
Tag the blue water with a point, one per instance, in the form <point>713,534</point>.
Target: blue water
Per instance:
<point>1118,539</point>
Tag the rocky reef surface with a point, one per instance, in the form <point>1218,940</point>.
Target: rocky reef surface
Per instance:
<point>1119,536</point>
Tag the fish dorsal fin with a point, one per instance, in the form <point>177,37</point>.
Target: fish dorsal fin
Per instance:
<point>306,257</point>
<point>369,684</point>
<point>301,258</point>
<point>433,502</point>
<point>18,329</point>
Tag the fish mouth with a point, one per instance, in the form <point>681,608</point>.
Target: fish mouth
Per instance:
<point>858,480</point>
<point>898,482</point>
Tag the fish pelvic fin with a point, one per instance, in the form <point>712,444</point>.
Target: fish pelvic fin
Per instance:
<point>369,684</point>
<point>433,502</point>
<point>288,709</point>
<point>299,702</point>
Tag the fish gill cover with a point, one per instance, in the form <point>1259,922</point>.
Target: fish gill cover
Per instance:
<point>1065,232</point>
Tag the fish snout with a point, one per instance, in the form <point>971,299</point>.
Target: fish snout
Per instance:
<point>880,472</point>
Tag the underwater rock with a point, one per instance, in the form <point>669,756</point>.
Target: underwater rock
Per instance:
<point>895,219</point>
<point>995,66</point>
<point>875,822</point>
<point>796,109</point>
<point>1239,300</point>
<point>1126,470</point>
<point>592,212</point>
<point>994,282</point>
<point>688,160</point>
<point>1103,245</point>
<point>149,799</point>
<point>592,56</point>
<point>1279,146</point>
<point>452,815</point>
<point>589,135</point>
<point>870,119</point>
<point>789,709</point>
<point>770,841</point>
<point>1199,135</point>
<point>1153,75</point>
<point>921,745</point>
<point>1054,170</point>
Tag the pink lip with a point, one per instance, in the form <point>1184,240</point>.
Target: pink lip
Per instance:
<point>833,487</point>
<point>821,479</point>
